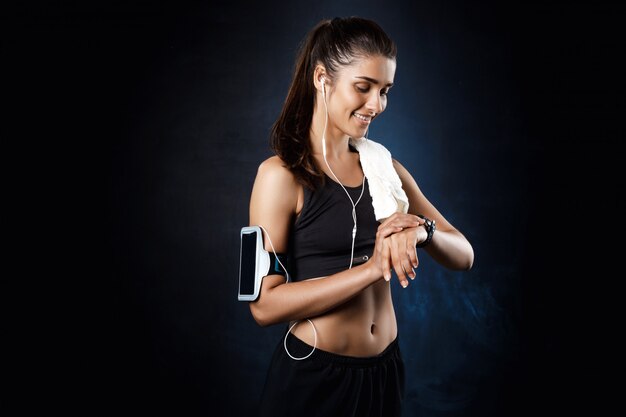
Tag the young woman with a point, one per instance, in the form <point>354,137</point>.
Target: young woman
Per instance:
<point>340,353</point>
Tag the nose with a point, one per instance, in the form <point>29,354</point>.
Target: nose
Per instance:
<point>375,102</point>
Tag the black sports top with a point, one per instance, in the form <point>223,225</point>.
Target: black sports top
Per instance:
<point>321,238</point>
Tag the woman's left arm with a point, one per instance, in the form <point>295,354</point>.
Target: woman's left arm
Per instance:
<point>448,246</point>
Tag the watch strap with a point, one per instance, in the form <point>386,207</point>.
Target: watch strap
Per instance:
<point>430,227</point>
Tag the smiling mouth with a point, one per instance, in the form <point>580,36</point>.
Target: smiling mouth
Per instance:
<point>362,117</point>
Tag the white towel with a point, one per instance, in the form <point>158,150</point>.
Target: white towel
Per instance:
<point>385,186</point>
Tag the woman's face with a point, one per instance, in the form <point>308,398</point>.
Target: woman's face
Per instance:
<point>359,94</point>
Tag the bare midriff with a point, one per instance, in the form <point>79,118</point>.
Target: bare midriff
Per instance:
<point>362,327</point>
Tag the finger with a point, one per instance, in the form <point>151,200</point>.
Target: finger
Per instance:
<point>384,261</point>
<point>411,252</point>
<point>396,259</point>
<point>408,268</point>
<point>403,219</point>
<point>402,224</point>
<point>386,231</point>
<point>404,253</point>
<point>404,282</point>
<point>389,219</point>
<point>408,221</point>
<point>402,277</point>
<point>397,266</point>
<point>407,216</point>
<point>418,219</point>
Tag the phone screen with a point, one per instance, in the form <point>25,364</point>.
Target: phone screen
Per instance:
<point>247,266</point>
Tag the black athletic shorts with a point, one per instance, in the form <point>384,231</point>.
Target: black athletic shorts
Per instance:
<point>327,384</point>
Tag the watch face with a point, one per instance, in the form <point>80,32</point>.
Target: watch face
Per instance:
<point>428,223</point>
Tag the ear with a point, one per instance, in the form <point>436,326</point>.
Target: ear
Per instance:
<point>319,76</point>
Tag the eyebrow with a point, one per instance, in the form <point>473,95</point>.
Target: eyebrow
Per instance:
<point>372,80</point>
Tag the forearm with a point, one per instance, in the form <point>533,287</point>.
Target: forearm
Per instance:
<point>300,300</point>
<point>451,249</point>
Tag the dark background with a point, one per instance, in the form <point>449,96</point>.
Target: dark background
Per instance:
<point>149,120</point>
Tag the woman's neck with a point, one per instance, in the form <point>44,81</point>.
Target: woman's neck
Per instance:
<point>336,141</point>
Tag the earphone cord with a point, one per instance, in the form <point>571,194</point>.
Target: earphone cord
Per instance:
<point>294,324</point>
<point>353,236</point>
<point>344,188</point>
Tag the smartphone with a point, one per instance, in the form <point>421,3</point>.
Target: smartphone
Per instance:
<point>253,263</point>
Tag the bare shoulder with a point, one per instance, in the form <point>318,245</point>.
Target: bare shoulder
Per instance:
<point>274,165</point>
<point>276,187</point>
<point>273,172</point>
<point>274,200</point>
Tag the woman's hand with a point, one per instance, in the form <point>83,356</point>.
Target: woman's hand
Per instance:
<point>402,252</point>
<point>393,240</point>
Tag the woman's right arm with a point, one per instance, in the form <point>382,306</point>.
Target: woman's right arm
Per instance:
<point>273,206</point>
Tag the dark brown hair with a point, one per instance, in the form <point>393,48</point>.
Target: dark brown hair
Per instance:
<point>333,43</point>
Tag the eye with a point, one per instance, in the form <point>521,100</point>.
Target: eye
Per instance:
<point>363,89</point>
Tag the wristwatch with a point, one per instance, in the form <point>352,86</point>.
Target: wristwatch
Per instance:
<point>430,227</point>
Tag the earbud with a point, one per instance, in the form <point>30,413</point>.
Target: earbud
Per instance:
<point>323,81</point>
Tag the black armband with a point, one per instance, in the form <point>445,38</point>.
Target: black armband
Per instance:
<point>275,268</point>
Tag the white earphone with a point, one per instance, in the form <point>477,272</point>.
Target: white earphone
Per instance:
<point>354,228</point>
